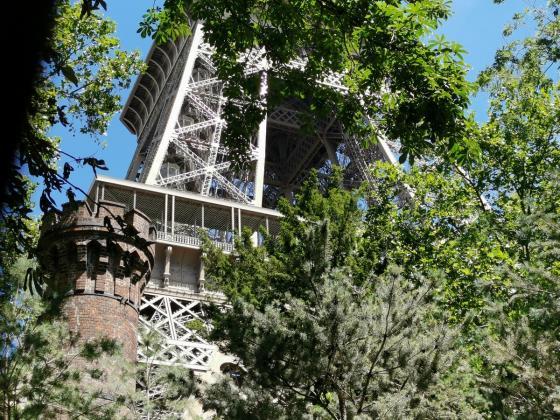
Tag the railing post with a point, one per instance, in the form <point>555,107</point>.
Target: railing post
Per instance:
<point>172,215</point>
<point>165,217</point>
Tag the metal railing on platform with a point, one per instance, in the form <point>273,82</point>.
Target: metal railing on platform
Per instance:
<point>191,240</point>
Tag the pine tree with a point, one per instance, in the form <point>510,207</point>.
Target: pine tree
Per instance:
<point>44,371</point>
<point>319,332</point>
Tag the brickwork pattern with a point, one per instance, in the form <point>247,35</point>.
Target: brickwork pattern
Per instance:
<point>94,316</point>
<point>100,270</point>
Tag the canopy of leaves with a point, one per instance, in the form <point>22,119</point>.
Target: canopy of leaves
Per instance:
<point>398,77</point>
<point>82,71</point>
<point>321,329</point>
<point>519,173</point>
<point>491,228</point>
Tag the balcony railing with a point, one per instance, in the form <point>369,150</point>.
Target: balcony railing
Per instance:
<point>191,241</point>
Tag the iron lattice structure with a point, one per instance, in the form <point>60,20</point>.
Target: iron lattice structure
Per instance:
<point>181,148</point>
<point>179,322</point>
<point>182,178</point>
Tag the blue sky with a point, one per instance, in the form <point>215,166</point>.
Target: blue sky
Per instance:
<point>476,24</point>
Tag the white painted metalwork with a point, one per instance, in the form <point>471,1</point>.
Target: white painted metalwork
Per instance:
<point>195,128</point>
<point>191,241</point>
<point>191,139</point>
<point>177,321</point>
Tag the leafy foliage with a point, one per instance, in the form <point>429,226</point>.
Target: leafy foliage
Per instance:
<point>82,71</point>
<point>519,172</point>
<point>320,331</point>
<point>490,226</point>
<point>400,78</point>
<point>522,356</point>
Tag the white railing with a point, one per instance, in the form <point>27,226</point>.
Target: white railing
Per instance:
<point>192,241</point>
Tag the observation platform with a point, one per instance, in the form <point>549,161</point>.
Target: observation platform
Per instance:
<point>180,216</point>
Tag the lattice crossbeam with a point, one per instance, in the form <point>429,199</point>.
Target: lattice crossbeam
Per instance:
<point>200,105</point>
<point>189,176</point>
<point>169,317</point>
<point>198,126</point>
<point>224,182</point>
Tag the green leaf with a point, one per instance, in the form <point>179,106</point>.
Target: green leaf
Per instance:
<point>68,72</point>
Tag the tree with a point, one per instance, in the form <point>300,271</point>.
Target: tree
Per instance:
<point>522,371</point>
<point>519,172</point>
<point>398,77</point>
<point>44,371</point>
<point>442,225</point>
<point>164,391</point>
<point>82,70</point>
<point>319,332</point>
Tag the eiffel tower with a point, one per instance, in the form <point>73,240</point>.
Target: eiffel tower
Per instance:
<point>182,178</point>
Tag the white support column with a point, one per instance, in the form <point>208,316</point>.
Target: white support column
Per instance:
<point>202,225</point>
<point>239,221</point>
<point>261,148</point>
<point>134,200</point>
<point>165,216</point>
<point>159,156</point>
<point>201,274</point>
<point>167,268</point>
<point>172,215</point>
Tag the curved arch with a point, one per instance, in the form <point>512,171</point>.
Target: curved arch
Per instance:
<point>167,57</point>
<point>137,116</point>
<point>143,106</point>
<point>130,125</point>
<point>152,100</point>
<point>160,69</point>
<point>176,52</point>
<point>159,88</point>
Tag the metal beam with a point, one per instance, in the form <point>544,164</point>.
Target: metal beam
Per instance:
<point>261,147</point>
<point>159,155</point>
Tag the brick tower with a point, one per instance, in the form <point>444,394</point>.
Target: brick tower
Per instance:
<point>100,273</point>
